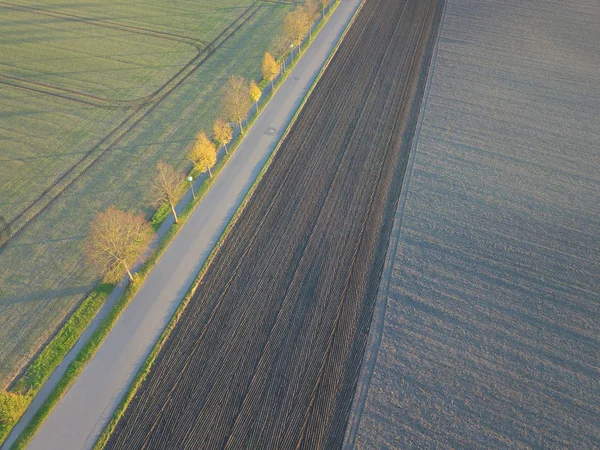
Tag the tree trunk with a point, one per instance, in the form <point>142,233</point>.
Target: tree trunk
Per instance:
<point>225,145</point>
<point>209,172</point>
<point>128,271</point>
<point>174,213</point>
<point>241,128</point>
<point>271,84</point>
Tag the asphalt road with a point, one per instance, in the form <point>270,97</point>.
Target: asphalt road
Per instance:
<point>81,415</point>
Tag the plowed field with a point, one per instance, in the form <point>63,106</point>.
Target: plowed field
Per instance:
<point>267,353</point>
<point>489,311</point>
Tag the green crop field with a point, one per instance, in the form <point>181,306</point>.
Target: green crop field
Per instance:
<point>93,95</point>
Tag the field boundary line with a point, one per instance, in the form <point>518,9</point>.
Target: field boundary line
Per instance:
<point>94,342</point>
<point>198,44</point>
<point>358,245</point>
<point>106,23</point>
<point>376,329</point>
<point>124,127</point>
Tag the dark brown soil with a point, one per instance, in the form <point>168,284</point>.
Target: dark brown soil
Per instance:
<point>267,353</point>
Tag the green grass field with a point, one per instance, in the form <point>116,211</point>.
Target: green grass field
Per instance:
<point>94,94</point>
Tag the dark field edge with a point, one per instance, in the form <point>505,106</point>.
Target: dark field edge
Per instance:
<point>372,337</point>
<point>52,353</point>
<point>409,112</point>
<point>88,160</point>
<point>411,117</point>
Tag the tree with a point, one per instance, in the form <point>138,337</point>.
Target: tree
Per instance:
<point>203,153</point>
<point>116,240</point>
<point>270,68</point>
<point>254,92</point>
<point>296,24</point>
<point>237,101</point>
<point>222,133</point>
<point>167,187</point>
<point>312,9</point>
<point>281,47</point>
<point>12,406</point>
<point>324,4</point>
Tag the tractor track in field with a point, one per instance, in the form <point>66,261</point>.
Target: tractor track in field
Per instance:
<point>55,189</point>
<point>67,94</point>
<point>84,97</point>
<point>267,353</point>
<point>106,24</point>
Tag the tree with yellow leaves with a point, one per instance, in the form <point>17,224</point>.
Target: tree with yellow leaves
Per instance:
<point>270,68</point>
<point>312,9</point>
<point>255,93</point>
<point>222,133</point>
<point>203,153</point>
<point>296,24</point>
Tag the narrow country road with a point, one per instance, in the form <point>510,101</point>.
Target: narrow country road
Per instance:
<point>81,415</point>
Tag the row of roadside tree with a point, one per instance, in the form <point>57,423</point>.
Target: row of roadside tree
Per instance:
<point>118,238</point>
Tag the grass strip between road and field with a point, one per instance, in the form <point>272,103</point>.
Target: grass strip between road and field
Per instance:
<point>29,384</point>
<point>41,369</point>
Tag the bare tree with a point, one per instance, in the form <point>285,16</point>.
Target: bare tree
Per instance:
<point>270,68</point>
<point>312,9</point>
<point>167,187</point>
<point>281,47</point>
<point>116,240</point>
<point>222,133</point>
<point>236,102</point>
<point>203,153</point>
<point>324,4</point>
<point>296,24</point>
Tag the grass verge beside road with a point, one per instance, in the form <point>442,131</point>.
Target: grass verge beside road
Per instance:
<point>16,400</point>
<point>42,368</point>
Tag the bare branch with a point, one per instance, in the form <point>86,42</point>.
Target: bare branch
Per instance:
<point>236,102</point>
<point>116,240</point>
<point>167,187</point>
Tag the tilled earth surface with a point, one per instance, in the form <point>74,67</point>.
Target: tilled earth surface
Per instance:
<point>267,353</point>
<point>490,335</point>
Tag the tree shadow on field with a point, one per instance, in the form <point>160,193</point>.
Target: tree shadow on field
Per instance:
<point>50,294</point>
